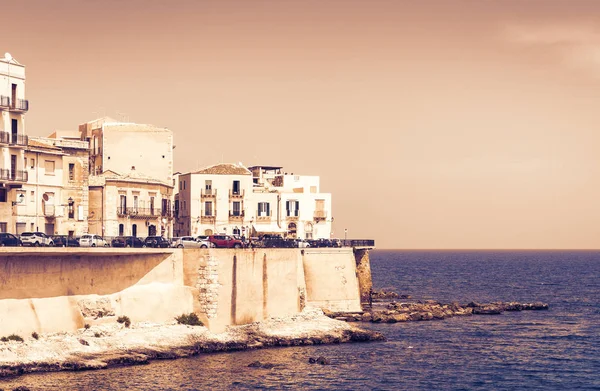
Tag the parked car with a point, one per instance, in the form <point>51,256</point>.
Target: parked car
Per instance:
<point>65,241</point>
<point>157,242</point>
<point>128,241</point>
<point>11,240</point>
<point>225,241</point>
<point>36,239</point>
<point>92,240</point>
<point>191,242</point>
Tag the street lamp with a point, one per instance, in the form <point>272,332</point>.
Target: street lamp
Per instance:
<point>19,200</point>
<point>345,235</point>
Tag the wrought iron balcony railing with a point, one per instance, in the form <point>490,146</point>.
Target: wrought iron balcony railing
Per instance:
<point>320,215</point>
<point>4,138</point>
<point>49,210</point>
<point>13,175</point>
<point>208,193</point>
<point>19,139</point>
<point>20,105</point>
<point>134,212</point>
<point>236,194</point>
<point>4,101</point>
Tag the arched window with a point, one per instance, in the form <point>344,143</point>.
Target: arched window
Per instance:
<point>121,230</point>
<point>292,230</point>
<point>134,230</point>
<point>236,231</point>
<point>208,232</point>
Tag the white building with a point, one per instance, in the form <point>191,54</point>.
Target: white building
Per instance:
<point>120,147</point>
<point>13,140</point>
<point>229,198</point>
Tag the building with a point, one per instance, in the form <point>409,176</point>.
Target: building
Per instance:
<point>233,199</point>
<point>13,140</point>
<point>54,199</point>
<point>298,207</point>
<point>214,200</point>
<point>130,204</point>
<point>114,147</point>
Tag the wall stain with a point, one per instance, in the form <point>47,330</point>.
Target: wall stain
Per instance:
<point>265,287</point>
<point>234,290</point>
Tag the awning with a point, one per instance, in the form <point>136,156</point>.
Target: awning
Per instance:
<point>273,228</point>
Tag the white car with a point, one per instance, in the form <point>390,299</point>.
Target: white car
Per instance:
<point>191,242</point>
<point>90,240</point>
<point>36,239</point>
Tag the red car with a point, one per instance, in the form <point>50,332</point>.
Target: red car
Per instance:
<point>225,241</point>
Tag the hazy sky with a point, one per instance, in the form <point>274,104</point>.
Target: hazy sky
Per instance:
<point>435,124</point>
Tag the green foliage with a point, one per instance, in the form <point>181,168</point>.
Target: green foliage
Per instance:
<point>124,320</point>
<point>35,335</point>
<point>12,337</point>
<point>190,319</point>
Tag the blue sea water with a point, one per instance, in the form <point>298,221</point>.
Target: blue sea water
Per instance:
<point>557,349</point>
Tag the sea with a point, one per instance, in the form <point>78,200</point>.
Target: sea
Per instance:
<point>558,349</point>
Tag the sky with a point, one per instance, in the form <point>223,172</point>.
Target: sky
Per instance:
<point>435,124</point>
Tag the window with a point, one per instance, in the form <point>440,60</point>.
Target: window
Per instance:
<point>32,163</point>
<point>236,187</point>
<point>208,210</point>
<point>292,207</point>
<point>264,209</point>
<point>49,165</point>
<point>237,206</point>
<point>71,209</point>
<point>71,171</point>
<point>121,230</point>
<point>3,226</point>
<point>2,195</point>
<point>181,185</point>
<point>208,185</point>
<point>184,206</point>
<point>32,227</point>
<point>152,206</point>
<point>135,203</point>
<point>32,199</point>
<point>134,230</point>
<point>176,208</point>
<point>80,212</point>
<point>123,203</point>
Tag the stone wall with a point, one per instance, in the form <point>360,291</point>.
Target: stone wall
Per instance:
<point>47,290</point>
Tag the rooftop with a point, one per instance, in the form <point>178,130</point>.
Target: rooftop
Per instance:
<point>224,169</point>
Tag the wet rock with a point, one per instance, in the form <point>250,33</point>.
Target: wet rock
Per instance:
<point>322,361</point>
<point>487,310</point>
<point>401,317</point>
<point>84,342</point>
<point>312,360</point>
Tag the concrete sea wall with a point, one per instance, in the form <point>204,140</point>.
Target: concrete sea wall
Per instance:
<point>49,290</point>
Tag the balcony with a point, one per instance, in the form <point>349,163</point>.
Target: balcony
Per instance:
<point>263,219</point>
<point>320,215</point>
<point>236,194</point>
<point>207,219</point>
<point>292,215</point>
<point>13,175</point>
<point>4,101</point>
<point>19,139</point>
<point>20,105</point>
<point>4,138</point>
<point>208,193</point>
<point>233,217</point>
<point>139,213</point>
<point>49,210</point>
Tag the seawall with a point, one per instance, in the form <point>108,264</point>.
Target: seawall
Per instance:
<point>52,289</point>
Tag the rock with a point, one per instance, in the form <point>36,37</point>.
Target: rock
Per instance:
<point>21,388</point>
<point>405,297</point>
<point>323,361</point>
<point>401,318</point>
<point>255,364</point>
<point>474,304</point>
<point>84,342</point>
<point>487,310</point>
<point>535,306</point>
<point>366,317</point>
<point>312,360</point>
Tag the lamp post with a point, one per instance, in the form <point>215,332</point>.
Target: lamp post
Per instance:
<point>345,235</point>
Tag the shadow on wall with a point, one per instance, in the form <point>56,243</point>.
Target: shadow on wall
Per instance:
<point>50,275</point>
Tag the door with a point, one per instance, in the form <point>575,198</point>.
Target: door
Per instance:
<point>13,166</point>
<point>134,230</point>
<point>21,227</point>
<point>152,230</point>
<point>236,187</point>
<point>14,130</point>
<point>49,229</point>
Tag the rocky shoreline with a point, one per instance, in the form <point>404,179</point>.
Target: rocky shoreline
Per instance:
<point>386,310</point>
<point>115,345</point>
